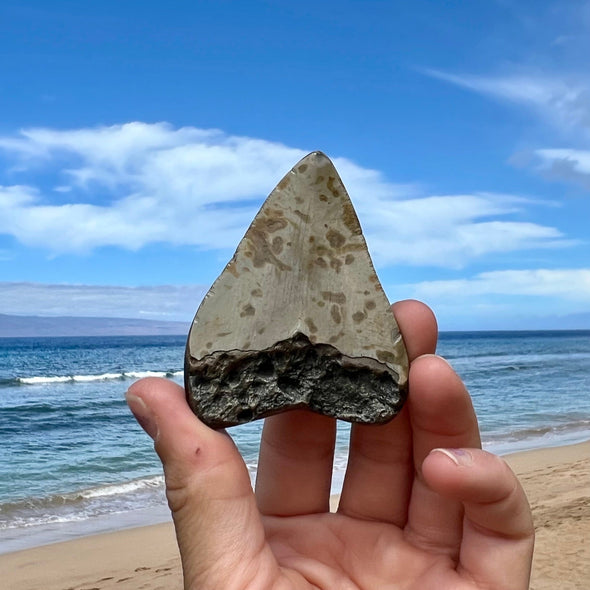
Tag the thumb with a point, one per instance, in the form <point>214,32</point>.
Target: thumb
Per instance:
<point>207,486</point>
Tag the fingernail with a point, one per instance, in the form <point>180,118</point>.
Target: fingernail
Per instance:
<point>142,414</point>
<point>460,457</point>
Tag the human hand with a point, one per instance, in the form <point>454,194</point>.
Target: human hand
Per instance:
<point>422,506</point>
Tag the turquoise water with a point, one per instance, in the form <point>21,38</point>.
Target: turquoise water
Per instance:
<point>74,461</point>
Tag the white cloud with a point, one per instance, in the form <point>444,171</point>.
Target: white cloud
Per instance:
<point>570,165</point>
<point>580,159</point>
<point>561,100</point>
<point>135,184</point>
<point>566,284</point>
<point>508,299</point>
<point>449,231</point>
<point>165,302</point>
<point>157,184</point>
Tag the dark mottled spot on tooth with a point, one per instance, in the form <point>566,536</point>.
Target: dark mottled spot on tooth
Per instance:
<point>309,323</point>
<point>273,225</point>
<point>209,344</point>
<point>350,219</point>
<point>231,267</point>
<point>386,356</point>
<point>332,188</point>
<point>336,239</point>
<point>246,345</point>
<point>334,297</point>
<point>349,259</point>
<point>322,197</point>
<point>277,245</point>
<point>261,330</point>
<point>366,292</point>
<point>358,316</point>
<point>256,292</point>
<point>222,334</point>
<point>303,216</point>
<point>370,304</point>
<point>321,262</point>
<point>335,313</point>
<point>321,304</point>
<point>311,239</point>
<point>335,338</point>
<point>302,168</point>
<point>247,310</point>
<point>299,200</point>
<point>262,250</point>
<point>335,264</point>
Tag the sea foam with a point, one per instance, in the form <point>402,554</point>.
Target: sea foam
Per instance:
<point>48,379</point>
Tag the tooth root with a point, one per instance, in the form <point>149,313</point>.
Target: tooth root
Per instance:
<point>298,317</point>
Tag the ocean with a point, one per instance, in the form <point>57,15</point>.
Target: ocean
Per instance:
<point>74,461</point>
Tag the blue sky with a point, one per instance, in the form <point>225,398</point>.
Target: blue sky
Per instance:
<point>138,139</point>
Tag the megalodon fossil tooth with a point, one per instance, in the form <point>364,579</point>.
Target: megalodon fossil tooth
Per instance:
<point>298,317</point>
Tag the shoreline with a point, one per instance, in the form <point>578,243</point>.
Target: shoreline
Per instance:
<point>56,531</point>
<point>556,479</point>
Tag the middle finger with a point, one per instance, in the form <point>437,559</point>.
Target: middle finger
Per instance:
<point>380,468</point>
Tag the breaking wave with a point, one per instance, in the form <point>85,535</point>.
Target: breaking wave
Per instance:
<point>82,504</point>
<point>47,379</point>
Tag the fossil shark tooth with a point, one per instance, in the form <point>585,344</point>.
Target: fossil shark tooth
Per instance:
<point>298,317</point>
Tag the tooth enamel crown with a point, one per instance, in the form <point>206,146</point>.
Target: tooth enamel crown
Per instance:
<point>298,318</point>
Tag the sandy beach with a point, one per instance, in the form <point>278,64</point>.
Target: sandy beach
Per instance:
<point>557,481</point>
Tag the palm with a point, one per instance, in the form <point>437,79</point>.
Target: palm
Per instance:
<point>332,551</point>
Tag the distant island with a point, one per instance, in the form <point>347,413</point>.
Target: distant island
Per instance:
<point>16,326</point>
